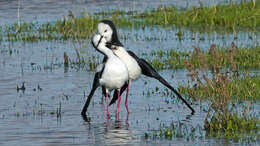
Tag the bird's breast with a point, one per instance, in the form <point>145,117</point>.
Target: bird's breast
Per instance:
<point>115,74</point>
<point>134,69</point>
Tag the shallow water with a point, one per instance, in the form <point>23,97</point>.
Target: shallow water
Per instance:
<point>26,117</point>
<point>30,117</point>
<point>157,38</point>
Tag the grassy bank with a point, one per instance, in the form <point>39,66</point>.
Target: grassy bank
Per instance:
<point>230,17</point>
<point>224,18</point>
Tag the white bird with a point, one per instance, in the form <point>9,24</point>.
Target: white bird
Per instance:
<point>136,66</point>
<point>111,74</point>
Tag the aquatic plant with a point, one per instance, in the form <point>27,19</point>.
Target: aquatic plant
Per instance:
<point>176,130</point>
<point>216,58</point>
<point>233,57</point>
<point>168,59</point>
<point>90,63</point>
<point>242,128</point>
<point>224,88</point>
<point>231,125</point>
<point>225,120</point>
<point>222,84</point>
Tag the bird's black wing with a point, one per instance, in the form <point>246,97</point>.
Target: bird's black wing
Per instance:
<point>149,71</point>
<point>95,85</point>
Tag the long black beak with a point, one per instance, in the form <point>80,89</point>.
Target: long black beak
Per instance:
<point>100,40</point>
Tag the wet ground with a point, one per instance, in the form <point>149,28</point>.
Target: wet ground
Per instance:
<point>47,112</point>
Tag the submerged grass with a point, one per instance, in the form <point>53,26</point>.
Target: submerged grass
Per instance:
<point>232,17</point>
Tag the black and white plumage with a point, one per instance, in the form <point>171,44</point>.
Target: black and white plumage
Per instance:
<point>136,66</point>
<point>111,74</point>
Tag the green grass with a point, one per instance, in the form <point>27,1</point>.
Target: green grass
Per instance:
<point>235,58</point>
<point>236,127</point>
<point>224,18</point>
<point>73,28</point>
<point>175,130</point>
<point>238,89</point>
<point>228,76</point>
<point>224,88</point>
<point>230,17</point>
<point>233,126</point>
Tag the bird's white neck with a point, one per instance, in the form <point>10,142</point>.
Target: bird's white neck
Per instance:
<point>133,67</point>
<point>108,52</point>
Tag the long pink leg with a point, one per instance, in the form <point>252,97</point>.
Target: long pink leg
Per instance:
<point>107,103</point>
<point>126,103</point>
<point>118,102</point>
<point>117,118</point>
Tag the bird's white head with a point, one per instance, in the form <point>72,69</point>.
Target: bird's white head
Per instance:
<point>107,29</point>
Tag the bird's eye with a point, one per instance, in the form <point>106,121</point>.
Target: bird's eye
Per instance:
<point>105,30</point>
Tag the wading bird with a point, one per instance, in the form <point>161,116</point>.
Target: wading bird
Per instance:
<point>136,66</point>
<point>111,74</point>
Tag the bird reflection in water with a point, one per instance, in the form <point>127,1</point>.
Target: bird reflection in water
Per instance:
<point>115,133</point>
<point>120,133</point>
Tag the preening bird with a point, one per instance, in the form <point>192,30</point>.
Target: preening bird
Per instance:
<point>111,74</point>
<point>135,65</point>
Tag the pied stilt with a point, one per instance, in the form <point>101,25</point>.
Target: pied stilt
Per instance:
<point>111,74</point>
<point>136,66</point>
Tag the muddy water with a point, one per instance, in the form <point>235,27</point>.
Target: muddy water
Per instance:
<point>30,117</point>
